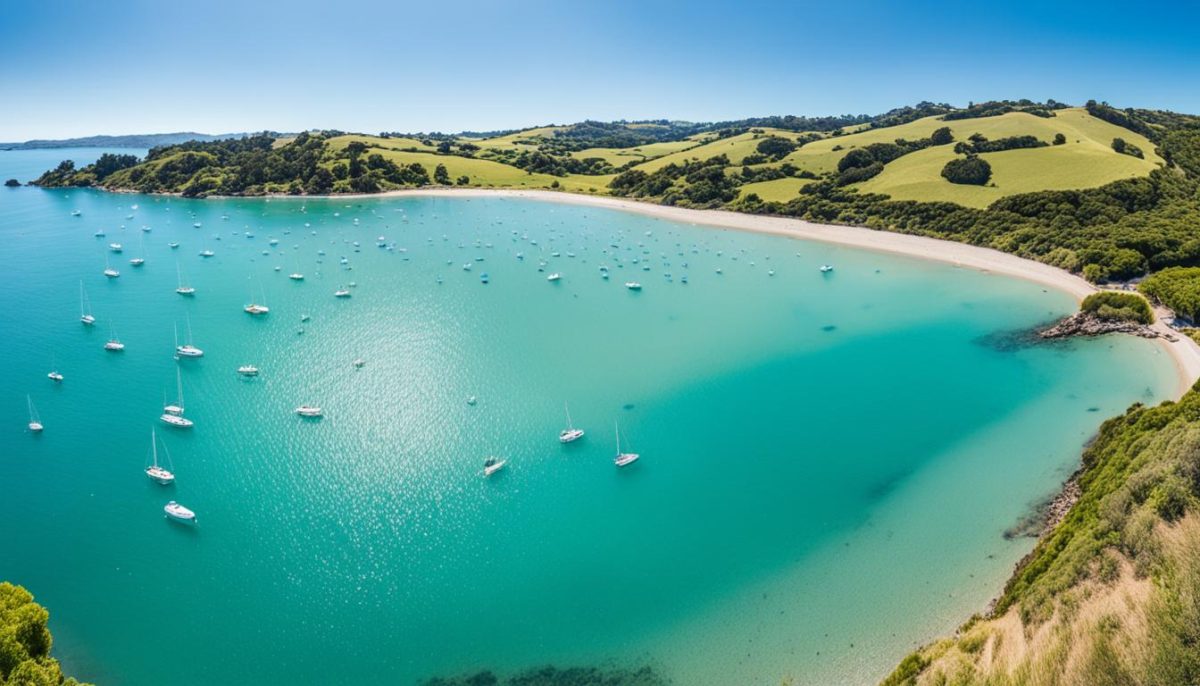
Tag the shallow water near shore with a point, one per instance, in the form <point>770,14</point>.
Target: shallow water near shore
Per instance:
<point>829,461</point>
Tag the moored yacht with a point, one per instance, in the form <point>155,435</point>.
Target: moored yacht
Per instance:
<point>493,465</point>
<point>341,293</point>
<point>308,411</point>
<point>554,277</point>
<point>633,285</point>
<point>179,513</point>
<point>155,471</point>
<point>114,344</point>
<point>256,309</point>
<point>623,459</point>
<point>173,414</point>
<point>570,433</point>
<point>55,377</point>
<point>85,307</point>
<point>825,268</point>
<point>248,370</point>
<point>35,422</point>
<point>187,349</point>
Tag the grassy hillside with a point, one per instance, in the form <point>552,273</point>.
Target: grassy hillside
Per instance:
<point>736,148</point>
<point>1086,160</point>
<point>1112,594</point>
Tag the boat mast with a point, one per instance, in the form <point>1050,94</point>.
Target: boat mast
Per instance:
<point>570,424</point>
<point>179,387</point>
<point>154,446</point>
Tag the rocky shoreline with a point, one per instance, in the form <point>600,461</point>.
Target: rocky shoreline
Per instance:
<point>1088,324</point>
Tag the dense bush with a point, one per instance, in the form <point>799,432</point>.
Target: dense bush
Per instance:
<point>1177,288</point>
<point>980,144</point>
<point>25,641</point>
<point>970,170</point>
<point>776,147</point>
<point>1118,305</point>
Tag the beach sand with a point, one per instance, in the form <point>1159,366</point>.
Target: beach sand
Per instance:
<point>1184,351</point>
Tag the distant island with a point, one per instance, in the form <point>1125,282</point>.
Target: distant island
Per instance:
<point>142,140</point>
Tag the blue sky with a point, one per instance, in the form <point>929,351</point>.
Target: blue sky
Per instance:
<point>75,68</point>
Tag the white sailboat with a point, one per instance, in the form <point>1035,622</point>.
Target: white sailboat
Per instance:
<point>156,472</point>
<point>187,349</point>
<point>570,433</point>
<point>35,422</point>
<point>108,270</point>
<point>248,370</point>
<point>254,308</point>
<point>342,292</point>
<point>139,260</point>
<point>54,375</point>
<point>173,414</point>
<point>182,288</point>
<point>623,459</point>
<point>308,411</point>
<point>85,307</point>
<point>114,344</point>
<point>493,465</point>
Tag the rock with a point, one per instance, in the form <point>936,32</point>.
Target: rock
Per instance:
<point>1088,324</point>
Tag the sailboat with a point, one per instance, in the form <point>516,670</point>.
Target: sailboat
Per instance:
<point>187,349</point>
<point>570,433</point>
<point>139,260</point>
<point>623,459</point>
<point>114,344</point>
<point>108,270</point>
<point>254,308</point>
<point>248,370</point>
<point>154,471</point>
<point>85,307</point>
<point>493,465</point>
<point>54,375</point>
<point>173,414</point>
<point>35,423</point>
<point>182,289</point>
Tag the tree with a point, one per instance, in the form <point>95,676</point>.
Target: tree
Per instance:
<point>855,158</point>
<point>971,170</point>
<point>463,180</point>
<point>441,176</point>
<point>776,147</point>
<point>1118,144</point>
<point>444,147</point>
<point>942,136</point>
<point>1059,139</point>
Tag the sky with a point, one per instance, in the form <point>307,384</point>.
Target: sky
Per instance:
<point>85,68</point>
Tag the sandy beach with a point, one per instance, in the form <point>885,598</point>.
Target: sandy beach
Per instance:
<point>1184,351</point>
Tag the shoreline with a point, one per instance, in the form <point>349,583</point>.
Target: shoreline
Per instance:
<point>1184,352</point>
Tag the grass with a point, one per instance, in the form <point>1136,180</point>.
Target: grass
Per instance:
<point>619,156</point>
<point>735,147</point>
<point>399,143</point>
<point>1087,160</point>
<point>778,190</point>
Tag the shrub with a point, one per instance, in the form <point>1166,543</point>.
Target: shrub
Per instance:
<point>971,170</point>
<point>1117,305</point>
<point>1059,139</point>
<point>942,136</point>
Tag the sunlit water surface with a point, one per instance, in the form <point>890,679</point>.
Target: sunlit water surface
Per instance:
<point>828,460</point>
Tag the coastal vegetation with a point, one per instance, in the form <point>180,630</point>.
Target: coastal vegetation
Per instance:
<point>25,642</point>
<point>1120,306</point>
<point>1177,288</point>
<point>1111,595</point>
<point>1107,193</point>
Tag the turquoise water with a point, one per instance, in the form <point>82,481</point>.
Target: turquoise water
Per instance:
<point>828,461</point>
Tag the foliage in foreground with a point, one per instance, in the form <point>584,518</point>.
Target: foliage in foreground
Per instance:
<point>556,676</point>
<point>25,641</point>
<point>1112,594</point>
